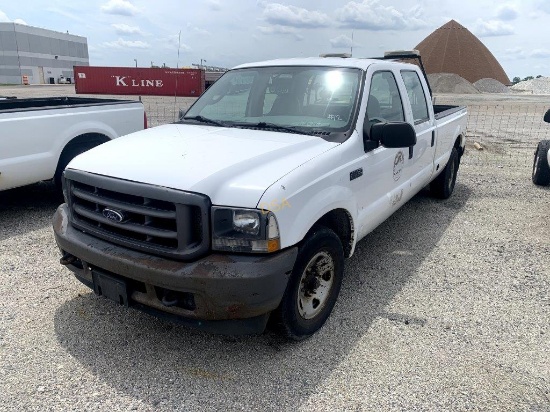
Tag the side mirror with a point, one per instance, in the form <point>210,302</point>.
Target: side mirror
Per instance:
<point>547,116</point>
<point>394,134</point>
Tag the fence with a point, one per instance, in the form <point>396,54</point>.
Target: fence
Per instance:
<point>507,127</point>
<point>508,130</point>
<point>163,110</point>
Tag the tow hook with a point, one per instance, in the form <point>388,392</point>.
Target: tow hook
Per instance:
<point>168,299</point>
<point>67,259</point>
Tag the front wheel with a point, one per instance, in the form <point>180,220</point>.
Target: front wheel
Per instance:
<point>541,168</point>
<point>313,287</point>
<point>443,185</point>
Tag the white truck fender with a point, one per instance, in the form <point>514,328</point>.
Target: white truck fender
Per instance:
<point>294,223</point>
<point>76,130</point>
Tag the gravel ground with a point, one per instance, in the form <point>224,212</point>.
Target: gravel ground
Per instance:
<point>446,306</point>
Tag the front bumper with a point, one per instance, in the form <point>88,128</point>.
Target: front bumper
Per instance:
<point>222,292</point>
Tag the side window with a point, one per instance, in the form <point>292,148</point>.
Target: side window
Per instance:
<point>417,97</point>
<point>384,98</point>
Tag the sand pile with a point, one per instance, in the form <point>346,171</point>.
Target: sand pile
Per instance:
<point>450,83</point>
<point>491,86</point>
<point>535,86</point>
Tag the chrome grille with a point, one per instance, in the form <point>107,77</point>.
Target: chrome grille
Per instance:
<point>158,220</point>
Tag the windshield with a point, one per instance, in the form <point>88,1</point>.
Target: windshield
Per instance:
<point>308,99</point>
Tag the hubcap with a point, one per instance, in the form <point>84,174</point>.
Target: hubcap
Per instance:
<point>315,285</point>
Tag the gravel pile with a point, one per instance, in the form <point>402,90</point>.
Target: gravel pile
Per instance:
<point>491,86</point>
<point>450,83</point>
<point>443,307</point>
<point>535,86</point>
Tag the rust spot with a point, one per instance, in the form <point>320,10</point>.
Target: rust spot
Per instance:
<point>234,310</point>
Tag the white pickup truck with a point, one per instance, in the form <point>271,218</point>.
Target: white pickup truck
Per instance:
<point>248,206</point>
<point>40,136</point>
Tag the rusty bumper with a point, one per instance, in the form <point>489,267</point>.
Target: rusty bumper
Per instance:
<point>221,292</point>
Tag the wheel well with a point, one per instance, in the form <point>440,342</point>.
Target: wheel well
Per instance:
<point>458,146</point>
<point>87,140</point>
<point>340,221</point>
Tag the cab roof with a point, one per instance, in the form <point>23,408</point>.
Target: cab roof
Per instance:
<point>350,62</point>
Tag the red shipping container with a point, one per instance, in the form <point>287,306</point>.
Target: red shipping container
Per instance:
<point>139,81</point>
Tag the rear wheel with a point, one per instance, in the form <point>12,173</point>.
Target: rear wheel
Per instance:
<point>443,185</point>
<point>541,168</point>
<point>313,287</point>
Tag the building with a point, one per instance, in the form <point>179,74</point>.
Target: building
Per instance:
<point>452,48</point>
<point>41,55</point>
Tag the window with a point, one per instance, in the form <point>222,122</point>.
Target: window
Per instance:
<point>230,103</point>
<point>417,97</point>
<point>384,99</point>
<point>306,98</point>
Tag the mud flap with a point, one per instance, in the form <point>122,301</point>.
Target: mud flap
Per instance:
<point>112,288</point>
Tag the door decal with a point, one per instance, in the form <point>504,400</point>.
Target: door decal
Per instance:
<point>398,164</point>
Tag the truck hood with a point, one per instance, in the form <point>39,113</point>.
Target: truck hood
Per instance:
<point>232,166</point>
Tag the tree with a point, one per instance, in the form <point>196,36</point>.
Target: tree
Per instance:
<point>528,78</point>
<point>539,76</point>
<point>516,80</point>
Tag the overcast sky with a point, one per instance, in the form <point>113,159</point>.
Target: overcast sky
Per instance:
<point>230,32</point>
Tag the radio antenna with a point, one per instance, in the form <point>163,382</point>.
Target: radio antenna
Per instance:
<point>351,51</point>
<point>177,75</point>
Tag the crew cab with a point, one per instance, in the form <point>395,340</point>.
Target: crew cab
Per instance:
<point>40,136</point>
<point>248,206</point>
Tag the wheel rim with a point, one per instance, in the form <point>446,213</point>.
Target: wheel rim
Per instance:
<point>315,285</point>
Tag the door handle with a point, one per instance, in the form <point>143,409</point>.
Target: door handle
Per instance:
<point>433,138</point>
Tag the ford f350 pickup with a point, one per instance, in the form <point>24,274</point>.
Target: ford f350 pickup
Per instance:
<point>248,206</point>
<point>40,136</point>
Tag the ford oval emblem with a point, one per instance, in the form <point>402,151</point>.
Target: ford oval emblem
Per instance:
<point>114,215</point>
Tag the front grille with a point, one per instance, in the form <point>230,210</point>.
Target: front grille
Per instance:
<point>154,219</point>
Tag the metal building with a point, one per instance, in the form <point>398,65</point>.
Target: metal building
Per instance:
<point>41,55</point>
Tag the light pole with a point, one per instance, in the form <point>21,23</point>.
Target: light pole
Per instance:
<point>135,61</point>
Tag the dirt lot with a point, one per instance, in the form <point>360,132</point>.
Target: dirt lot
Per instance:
<point>446,306</point>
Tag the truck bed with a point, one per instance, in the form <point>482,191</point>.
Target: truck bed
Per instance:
<point>442,110</point>
<point>45,103</point>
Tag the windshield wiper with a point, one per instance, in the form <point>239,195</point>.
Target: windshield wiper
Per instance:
<point>203,119</point>
<point>272,126</point>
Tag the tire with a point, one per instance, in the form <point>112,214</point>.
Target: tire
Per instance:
<point>68,154</point>
<point>541,168</point>
<point>313,286</point>
<point>443,185</point>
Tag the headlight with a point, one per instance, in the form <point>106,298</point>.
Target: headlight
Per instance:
<point>244,230</point>
<point>246,222</point>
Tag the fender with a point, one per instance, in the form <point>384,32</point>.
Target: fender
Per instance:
<point>77,130</point>
<point>295,223</point>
